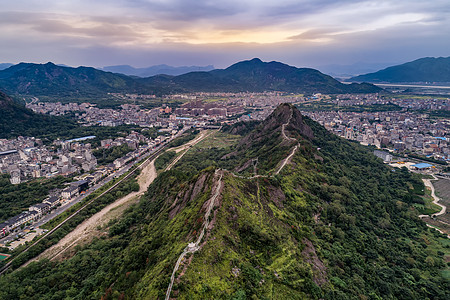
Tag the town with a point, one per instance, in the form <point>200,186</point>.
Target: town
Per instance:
<point>407,129</point>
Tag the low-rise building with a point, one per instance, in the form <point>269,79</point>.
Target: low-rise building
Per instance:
<point>69,192</point>
<point>4,229</point>
<point>40,208</point>
<point>52,201</point>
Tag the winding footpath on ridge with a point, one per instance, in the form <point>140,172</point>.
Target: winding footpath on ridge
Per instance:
<point>283,133</point>
<point>194,247</point>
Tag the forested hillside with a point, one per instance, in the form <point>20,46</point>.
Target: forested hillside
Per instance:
<point>55,82</point>
<point>17,120</point>
<point>427,69</point>
<point>299,214</point>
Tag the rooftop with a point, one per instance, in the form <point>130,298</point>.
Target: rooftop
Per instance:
<point>422,166</point>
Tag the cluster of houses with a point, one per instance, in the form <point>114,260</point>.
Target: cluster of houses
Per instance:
<point>36,211</point>
<point>26,157</point>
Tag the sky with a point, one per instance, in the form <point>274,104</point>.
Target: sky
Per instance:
<point>303,33</point>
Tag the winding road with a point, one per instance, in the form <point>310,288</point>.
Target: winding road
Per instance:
<point>436,199</point>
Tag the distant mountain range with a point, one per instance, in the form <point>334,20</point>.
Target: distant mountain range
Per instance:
<point>156,70</point>
<point>5,66</point>
<point>428,69</point>
<point>52,80</point>
<point>351,70</point>
<point>257,76</point>
<point>247,76</point>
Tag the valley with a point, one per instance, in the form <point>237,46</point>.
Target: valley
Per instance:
<point>274,215</point>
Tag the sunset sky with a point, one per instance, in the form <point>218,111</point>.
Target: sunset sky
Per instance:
<point>198,32</point>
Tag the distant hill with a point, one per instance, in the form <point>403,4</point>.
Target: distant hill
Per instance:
<point>257,76</point>
<point>351,70</point>
<point>17,120</point>
<point>252,76</point>
<point>5,66</point>
<point>52,80</point>
<point>156,70</point>
<point>428,69</point>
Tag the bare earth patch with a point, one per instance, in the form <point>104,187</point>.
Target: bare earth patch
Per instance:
<point>87,230</point>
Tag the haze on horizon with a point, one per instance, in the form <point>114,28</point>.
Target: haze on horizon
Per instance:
<point>303,33</point>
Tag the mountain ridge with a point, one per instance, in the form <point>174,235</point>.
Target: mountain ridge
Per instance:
<point>427,69</point>
<point>246,76</point>
<point>155,70</point>
<point>17,120</point>
<point>334,223</point>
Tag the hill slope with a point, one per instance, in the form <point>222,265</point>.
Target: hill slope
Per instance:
<point>156,70</point>
<point>335,223</point>
<point>257,76</point>
<point>253,76</point>
<point>427,69</point>
<point>52,80</point>
<point>17,120</point>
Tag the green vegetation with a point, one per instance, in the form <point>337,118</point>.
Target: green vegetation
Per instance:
<point>427,207</point>
<point>15,198</point>
<point>428,69</point>
<point>121,190</point>
<point>336,223</point>
<point>17,120</point>
<point>164,159</point>
<point>439,114</point>
<point>108,155</point>
<point>52,82</point>
<point>186,137</point>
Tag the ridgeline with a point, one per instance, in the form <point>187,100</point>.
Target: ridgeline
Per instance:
<point>53,81</point>
<point>312,216</point>
<point>423,70</point>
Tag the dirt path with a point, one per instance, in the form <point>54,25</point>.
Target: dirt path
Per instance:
<point>200,137</point>
<point>285,161</point>
<point>186,148</point>
<point>194,247</point>
<point>89,229</point>
<point>84,232</point>
<point>436,199</point>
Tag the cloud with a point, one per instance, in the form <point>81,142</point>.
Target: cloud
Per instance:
<point>300,32</point>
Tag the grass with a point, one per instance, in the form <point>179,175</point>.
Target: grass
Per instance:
<point>218,140</point>
<point>3,256</point>
<point>443,245</point>
<point>429,207</point>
